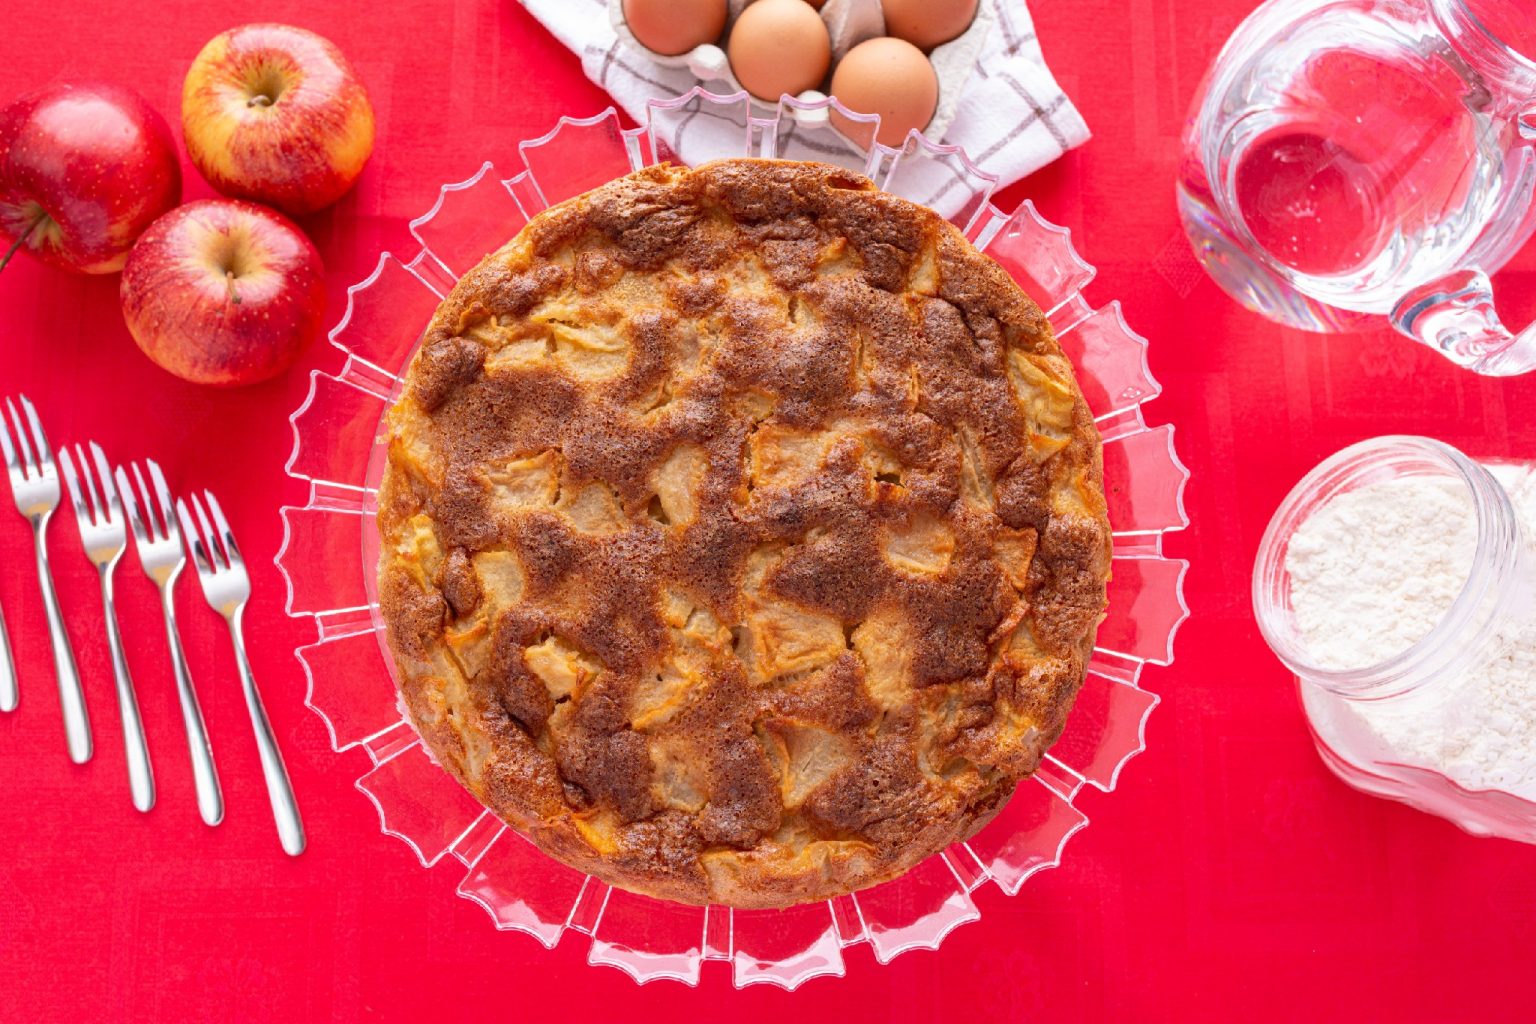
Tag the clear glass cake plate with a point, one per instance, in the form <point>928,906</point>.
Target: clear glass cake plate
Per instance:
<point>330,548</point>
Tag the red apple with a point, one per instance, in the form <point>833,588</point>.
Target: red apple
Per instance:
<point>276,114</point>
<point>84,169</point>
<point>223,292</point>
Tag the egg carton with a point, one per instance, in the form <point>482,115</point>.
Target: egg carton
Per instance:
<point>849,23</point>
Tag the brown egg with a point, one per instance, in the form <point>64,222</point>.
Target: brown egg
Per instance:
<point>779,46</point>
<point>927,23</point>
<point>889,77</point>
<point>674,27</point>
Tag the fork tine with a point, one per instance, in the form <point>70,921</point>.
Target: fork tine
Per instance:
<point>44,453</point>
<point>28,467</point>
<point>216,554</point>
<point>131,505</point>
<point>194,539</point>
<point>163,493</point>
<point>152,526</point>
<point>88,477</point>
<point>111,507</point>
<point>231,551</point>
<point>76,492</point>
<point>5,440</point>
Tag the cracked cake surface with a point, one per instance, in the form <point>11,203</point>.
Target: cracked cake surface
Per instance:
<point>743,533</point>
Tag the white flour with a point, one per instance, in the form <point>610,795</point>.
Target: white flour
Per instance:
<point>1372,572</point>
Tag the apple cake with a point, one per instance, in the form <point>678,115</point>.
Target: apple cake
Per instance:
<point>743,533</point>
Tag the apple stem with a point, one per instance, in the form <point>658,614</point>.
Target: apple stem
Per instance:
<point>261,100</point>
<point>21,238</point>
<point>229,278</point>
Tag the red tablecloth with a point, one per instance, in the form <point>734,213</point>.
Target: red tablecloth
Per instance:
<point>1229,876</point>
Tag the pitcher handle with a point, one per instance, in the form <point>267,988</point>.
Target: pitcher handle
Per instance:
<point>1455,317</point>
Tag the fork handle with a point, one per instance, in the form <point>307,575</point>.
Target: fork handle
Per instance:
<point>285,810</point>
<point>10,694</point>
<point>141,776</point>
<point>205,778</point>
<point>77,723</point>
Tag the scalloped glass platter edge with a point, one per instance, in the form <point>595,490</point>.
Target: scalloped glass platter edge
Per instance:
<point>330,549</point>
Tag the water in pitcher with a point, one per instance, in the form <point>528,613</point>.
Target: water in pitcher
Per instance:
<point>1339,155</point>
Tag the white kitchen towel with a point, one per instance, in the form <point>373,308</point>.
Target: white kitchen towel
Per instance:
<point>1013,118</point>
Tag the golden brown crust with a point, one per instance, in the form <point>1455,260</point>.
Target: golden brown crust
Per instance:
<point>743,533</point>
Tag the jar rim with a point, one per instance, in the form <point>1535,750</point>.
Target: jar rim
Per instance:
<point>1437,650</point>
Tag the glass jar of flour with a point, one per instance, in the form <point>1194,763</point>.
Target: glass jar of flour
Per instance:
<point>1398,582</point>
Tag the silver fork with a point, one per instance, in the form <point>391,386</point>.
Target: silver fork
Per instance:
<point>10,694</point>
<point>99,514</point>
<point>35,486</point>
<point>227,586</point>
<point>157,539</point>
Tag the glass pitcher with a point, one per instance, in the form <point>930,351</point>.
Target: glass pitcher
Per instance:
<point>1349,163</point>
